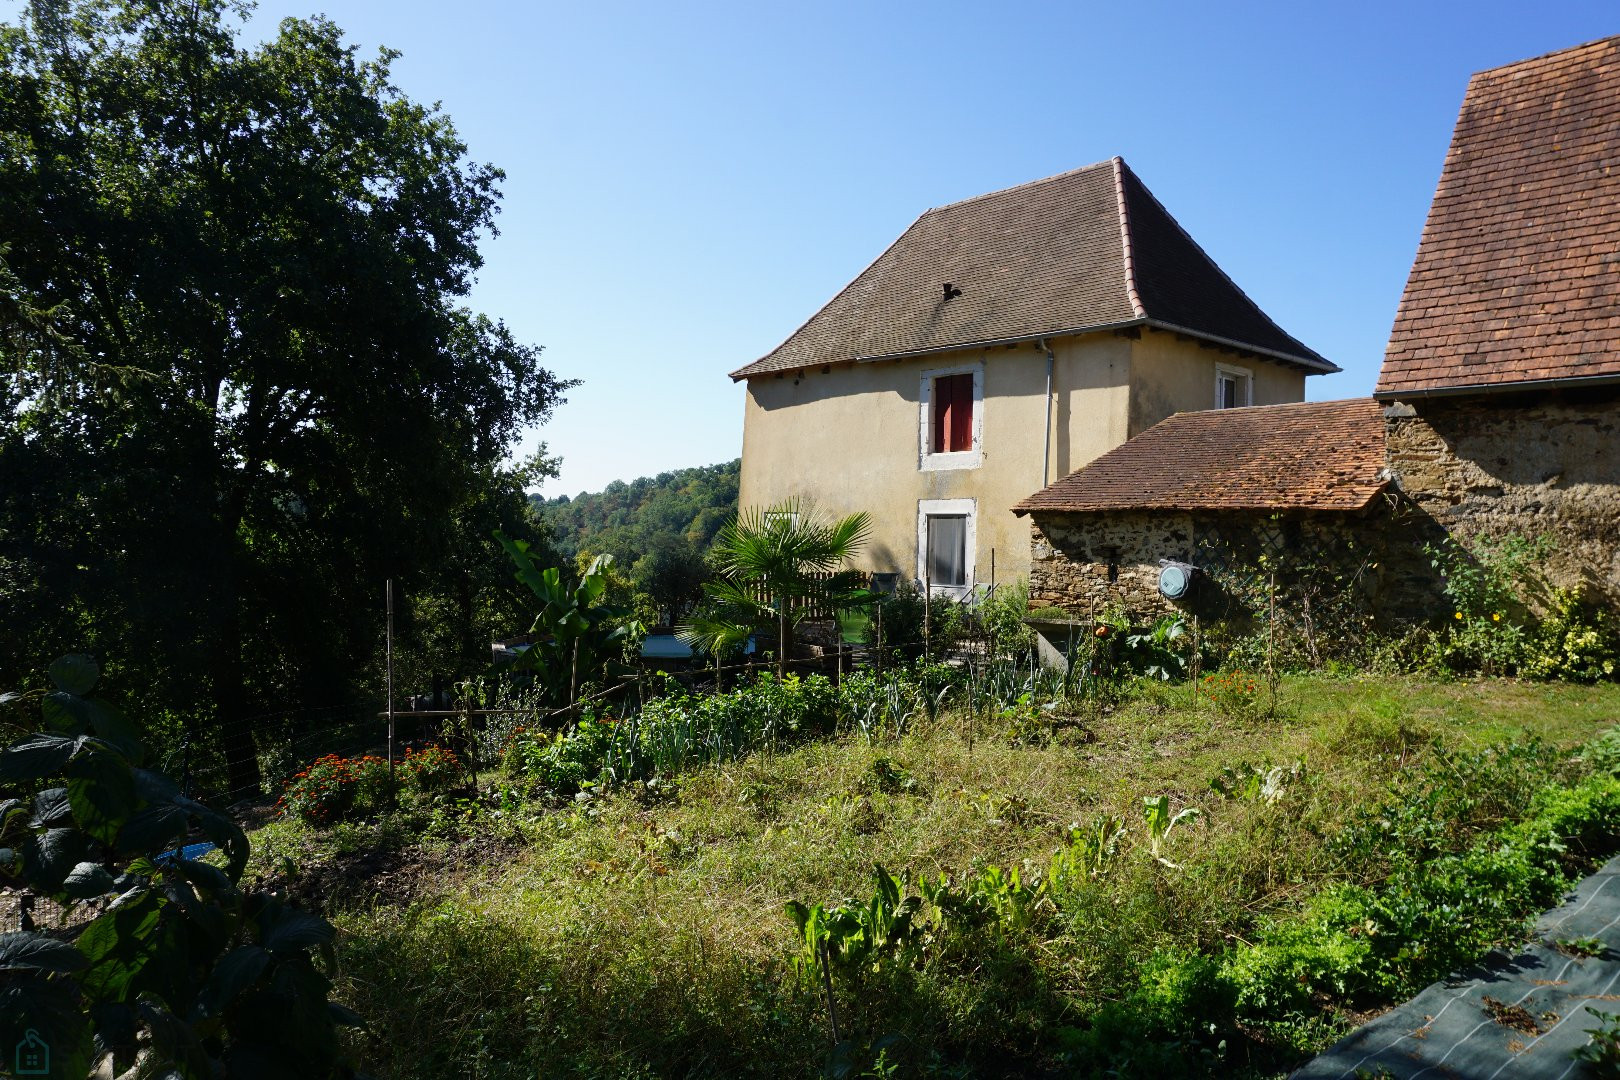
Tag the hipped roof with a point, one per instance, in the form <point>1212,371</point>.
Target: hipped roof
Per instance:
<point>1517,277</point>
<point>1085,250</point>
<point>1319,455</point>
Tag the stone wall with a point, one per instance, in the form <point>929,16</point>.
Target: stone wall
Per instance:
<point>1519,463</point>
<point>1370,561</point>
<point>1481,465</point>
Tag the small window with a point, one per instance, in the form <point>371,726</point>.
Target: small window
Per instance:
<point>945,540</point>
<point>1234,387</point>
<point>953,413</point>
<point>952,417</point>
<point>947,550</point>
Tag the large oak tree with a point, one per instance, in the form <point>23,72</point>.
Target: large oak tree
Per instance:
<point>247,389</point>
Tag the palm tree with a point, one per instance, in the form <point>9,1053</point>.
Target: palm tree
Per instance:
<point>776,565</point>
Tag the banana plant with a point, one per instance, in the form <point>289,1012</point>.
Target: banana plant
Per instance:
<point>1160,822</point>
<point>577,637</point>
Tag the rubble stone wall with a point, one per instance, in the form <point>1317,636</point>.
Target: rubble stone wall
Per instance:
<point>1375,559</point>
<point>1491,465</point>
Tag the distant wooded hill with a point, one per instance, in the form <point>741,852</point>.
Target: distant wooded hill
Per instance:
<point>631,519</point>
<point>657,529</point>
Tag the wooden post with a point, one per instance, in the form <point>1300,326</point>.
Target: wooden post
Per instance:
<point>1196,666</point>
<point>389,591</point>
<point>880,637</point>
<point>928,600</point>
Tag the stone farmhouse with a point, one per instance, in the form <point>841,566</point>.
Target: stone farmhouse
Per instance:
<point>1496,412</point>
<point>999,343</point>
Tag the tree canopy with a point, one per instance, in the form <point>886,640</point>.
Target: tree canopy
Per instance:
<point>241,385</point>
<point>658,527</point>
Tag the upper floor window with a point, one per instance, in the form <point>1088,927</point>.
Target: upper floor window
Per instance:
<point>1234,387</point>
<point>952,417</point>
<point>953,413</point>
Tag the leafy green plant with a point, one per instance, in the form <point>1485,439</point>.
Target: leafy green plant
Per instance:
<point>578,639</point>
<point>777,565</point>
<point>888,775</point>
<point>1161,823</point>
<point>1256,783</point>
<point>1585,947</point>
<point>1157,652</point>
<point>431,769</point>
<point>1088,854</point>
<point>1602,1047</point>
<point>856,936</point>
<point>182,972</point>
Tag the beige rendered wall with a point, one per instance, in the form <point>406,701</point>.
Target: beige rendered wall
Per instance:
<point>849,438</point>
<point>1171,374</point>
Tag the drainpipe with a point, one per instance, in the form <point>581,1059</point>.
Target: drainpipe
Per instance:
<point>1046,451</point>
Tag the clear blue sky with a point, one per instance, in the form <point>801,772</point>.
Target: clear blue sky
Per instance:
<point>688,182</point>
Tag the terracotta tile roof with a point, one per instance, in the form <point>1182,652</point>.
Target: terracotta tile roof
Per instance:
<point>1084,250</point>
<point>1316,455</point>
<point>1517,277</point>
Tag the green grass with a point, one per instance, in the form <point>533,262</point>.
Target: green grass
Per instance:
<point>627,937</point>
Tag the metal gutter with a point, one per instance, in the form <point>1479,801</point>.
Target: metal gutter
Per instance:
<point>1046,450</point>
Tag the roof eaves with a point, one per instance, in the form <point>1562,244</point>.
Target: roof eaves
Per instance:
<point>988,343</point>
<point>1028,506</point>
<point>1316,364</point>
<point>1569,382</point>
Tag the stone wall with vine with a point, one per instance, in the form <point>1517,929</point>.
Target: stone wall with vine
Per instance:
<point>1527,465</point>
<point>1336,575</point>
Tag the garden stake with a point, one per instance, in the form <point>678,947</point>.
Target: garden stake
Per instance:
<point>1197,662</point>
<point>928,596</point>
<point>389,591</point>
<point>1271,639</point>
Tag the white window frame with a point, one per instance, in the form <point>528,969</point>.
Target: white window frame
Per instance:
<point>927,460</point>
<point>968,508</point>
<point>1245,380</point>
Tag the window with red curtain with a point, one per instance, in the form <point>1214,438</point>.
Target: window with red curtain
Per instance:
<point>952,399</point>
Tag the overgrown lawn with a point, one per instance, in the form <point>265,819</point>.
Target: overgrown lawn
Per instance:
<point>644,933</point>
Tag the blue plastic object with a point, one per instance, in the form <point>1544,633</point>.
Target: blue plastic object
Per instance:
<point>1174,581</point>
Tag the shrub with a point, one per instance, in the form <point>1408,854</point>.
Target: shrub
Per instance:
<point>333,789</point>
<point>1488,644</point>
<point>321,794</point>
<point>1575,641</point>
<point>431,769</point>
<point>1232,693</point>
<point>561,764</point>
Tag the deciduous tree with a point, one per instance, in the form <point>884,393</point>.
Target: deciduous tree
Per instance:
<point>271,245</point>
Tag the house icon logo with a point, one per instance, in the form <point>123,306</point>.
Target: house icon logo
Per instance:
<point>33,1055</point>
